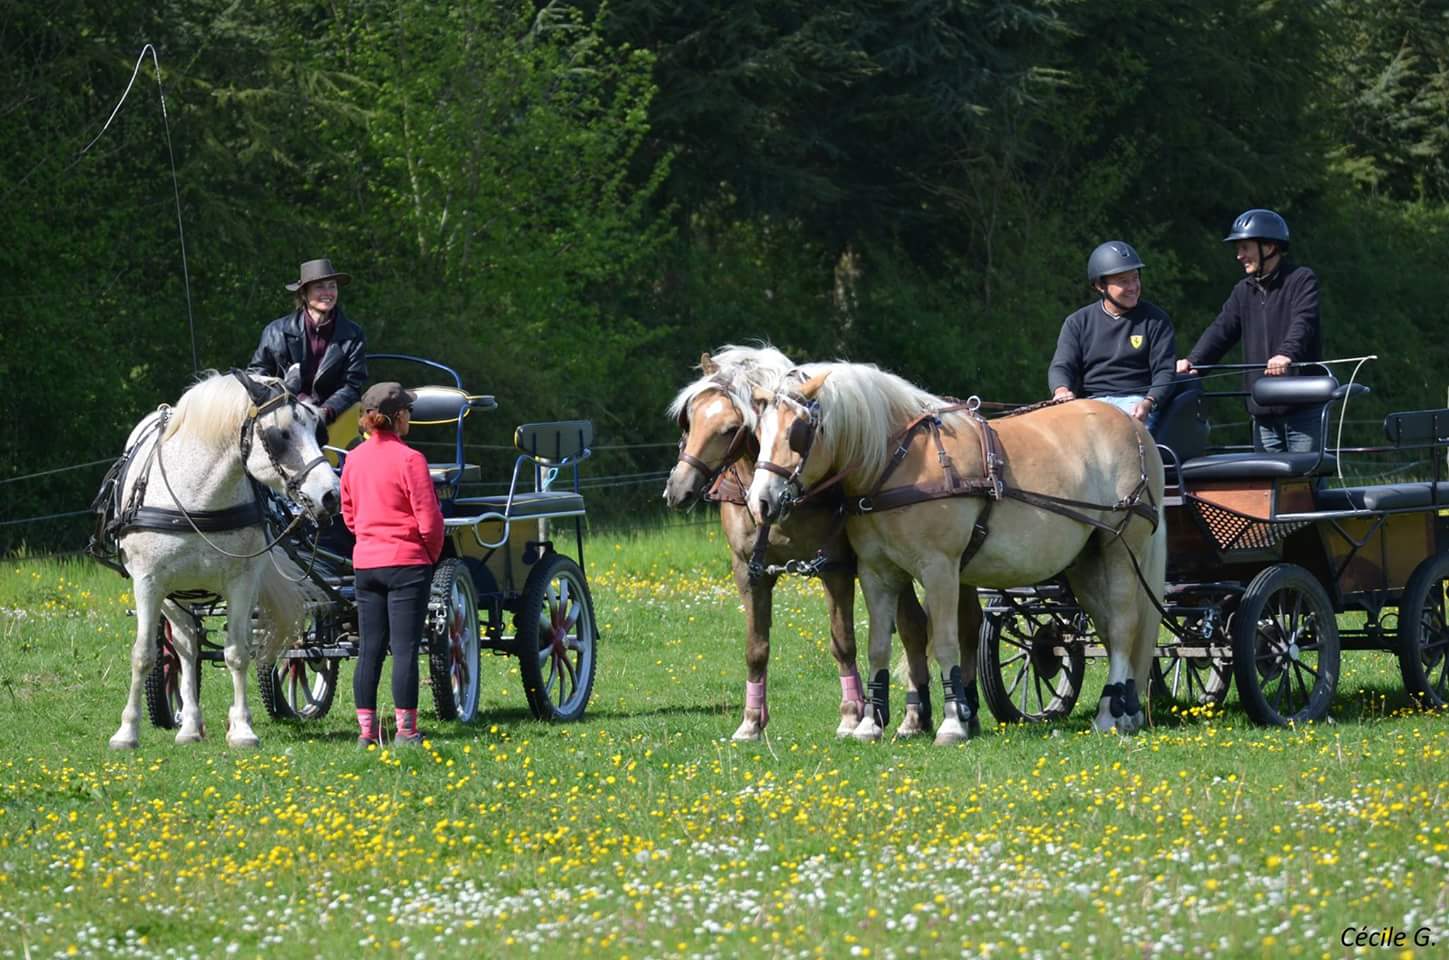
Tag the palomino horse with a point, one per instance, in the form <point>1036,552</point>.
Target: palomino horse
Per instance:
<point>717,459</point>
<point>1074,487</point>
<point>187,518</point>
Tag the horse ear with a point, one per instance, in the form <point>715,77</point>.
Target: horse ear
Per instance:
<point>707,365</point>
<point>256,391</point>
<point>813,385</point>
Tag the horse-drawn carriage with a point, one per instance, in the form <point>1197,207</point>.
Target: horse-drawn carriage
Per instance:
<point>1263,555</point>
<point>499,561</point>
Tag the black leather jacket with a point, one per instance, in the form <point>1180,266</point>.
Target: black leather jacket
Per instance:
<point>342,373</point>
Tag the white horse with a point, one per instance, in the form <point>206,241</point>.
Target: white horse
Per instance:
<point>193,468</point>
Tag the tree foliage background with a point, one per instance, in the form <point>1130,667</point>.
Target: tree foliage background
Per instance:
<point>569,201</point>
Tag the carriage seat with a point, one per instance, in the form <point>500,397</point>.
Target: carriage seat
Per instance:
<point>1180,426</point>
<point>1247,466</point>
<point>1384,496</point>
<point>526,506</point>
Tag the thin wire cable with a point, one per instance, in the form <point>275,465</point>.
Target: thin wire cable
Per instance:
<point>53,516</point>
<point>46,473</point>
<point>175,187</point>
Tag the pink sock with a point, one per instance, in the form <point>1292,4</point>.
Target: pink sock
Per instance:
<point>367,724</point>
<point>407,722</point>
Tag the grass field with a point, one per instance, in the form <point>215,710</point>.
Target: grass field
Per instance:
<point>643,832</point>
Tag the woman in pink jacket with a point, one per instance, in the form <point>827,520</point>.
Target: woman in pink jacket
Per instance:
<point>389,503</point>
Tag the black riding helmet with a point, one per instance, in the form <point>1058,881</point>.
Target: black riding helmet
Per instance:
<point>1114,256</point>
<point>1259,224</point>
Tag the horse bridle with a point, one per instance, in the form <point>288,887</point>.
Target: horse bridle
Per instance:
<point>801,439</point>
<point>294,481</point>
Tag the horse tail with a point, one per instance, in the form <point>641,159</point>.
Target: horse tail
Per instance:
<point>283,608</point>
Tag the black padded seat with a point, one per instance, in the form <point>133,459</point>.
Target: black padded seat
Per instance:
<point>1248,466</point>
<point>451,473</point>
<point>525,505</point>
<point>1385,496</point>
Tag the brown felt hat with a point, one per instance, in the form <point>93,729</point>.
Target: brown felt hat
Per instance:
<point>388,398</point>
<point>314,270</point>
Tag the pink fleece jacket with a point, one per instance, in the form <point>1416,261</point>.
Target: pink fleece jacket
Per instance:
<point>389,503</point>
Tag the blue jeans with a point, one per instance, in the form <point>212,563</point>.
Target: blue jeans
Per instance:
<point>1297,432</point>
<point>1129,403</point>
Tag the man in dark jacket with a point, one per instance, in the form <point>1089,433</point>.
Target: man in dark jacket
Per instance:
<point>316,349</point>
<point>1274,312</point>
<point>1119,349</point>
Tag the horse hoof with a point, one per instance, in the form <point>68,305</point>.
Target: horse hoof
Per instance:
<point>845,729</point>
<point>866,732</point>
<point>906,731</point>
<point>243,743</point>
<point>118,743</point>
<point>188,738</point>
<point>949,736</point>
<point>747,733</point>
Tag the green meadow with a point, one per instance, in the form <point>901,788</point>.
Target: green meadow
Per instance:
<point>644,832</point>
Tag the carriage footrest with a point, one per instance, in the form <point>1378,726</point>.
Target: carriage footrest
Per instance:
<point>1385,496</point>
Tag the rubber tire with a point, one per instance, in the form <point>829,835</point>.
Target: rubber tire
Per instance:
<point>535,647</point>
<point>1280,579</point>
<point>319,678</point>
<point>1424,631</point>
<point>1066,683</point>
<point>453,642</point>
<point>163,683</point>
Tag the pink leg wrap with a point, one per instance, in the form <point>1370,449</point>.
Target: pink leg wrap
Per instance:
<point>755,699</point>
<point>850,687</point>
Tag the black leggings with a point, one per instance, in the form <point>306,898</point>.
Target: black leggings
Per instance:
<point>391,605</point>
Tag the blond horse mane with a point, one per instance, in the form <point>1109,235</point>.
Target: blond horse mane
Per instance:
<point>861,408</point>
<point>211,411</point>
<point>741,371</point>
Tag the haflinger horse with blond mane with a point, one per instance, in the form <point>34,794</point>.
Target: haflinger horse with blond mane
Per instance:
<point>181,512</point>
<point>935,493</point>
<point>717,456</point>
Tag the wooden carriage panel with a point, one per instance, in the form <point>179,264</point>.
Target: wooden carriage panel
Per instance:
<point>1252,498</point>
<point>1386,559</point>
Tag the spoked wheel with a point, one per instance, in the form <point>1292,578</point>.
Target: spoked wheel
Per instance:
<point>1183,682</point>
<point>1423,633</point>
<point>163,683</point>
<point>1285,647</point>
<point>1032,662</point>
<point>556,639</point>
<point>453,645</point>
<point>298,688</point>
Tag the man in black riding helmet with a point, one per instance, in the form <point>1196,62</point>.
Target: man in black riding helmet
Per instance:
<point>1274,312</point>
<point>1120,348</point>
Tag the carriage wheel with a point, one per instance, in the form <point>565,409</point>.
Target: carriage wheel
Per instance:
<point>1285,647</point>
<point>556,638</point>
<point>453,647</point>
<point>1182,683</point>
<point>1031,664</point>
<point>1423,643</point>
<point>298,688</point>
<point>163,683</point>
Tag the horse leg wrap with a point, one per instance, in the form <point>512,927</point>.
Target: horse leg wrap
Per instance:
<point>921,700</point>
<point>755,699</point>
<point>1122,699</point>
<point>880,697</point>
<point>850,687</point>
<point>956,702</point>
<point>973,703</point>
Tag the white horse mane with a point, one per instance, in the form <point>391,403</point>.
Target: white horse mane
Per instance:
<point>861,408</point>
<point>211,411</point>
<point>741,371</point>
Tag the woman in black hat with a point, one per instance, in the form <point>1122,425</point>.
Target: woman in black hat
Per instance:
<point>316,349</point>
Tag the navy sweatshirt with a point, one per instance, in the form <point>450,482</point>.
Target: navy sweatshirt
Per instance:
<point>1101,355</point>
<point>1276,316</point>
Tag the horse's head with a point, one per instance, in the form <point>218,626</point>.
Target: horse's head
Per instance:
<point>279,447</point>
<point>794,449</point>
<point>715,432</point>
